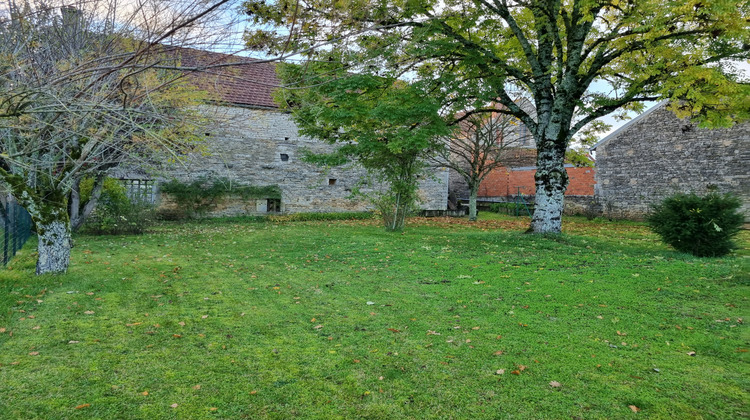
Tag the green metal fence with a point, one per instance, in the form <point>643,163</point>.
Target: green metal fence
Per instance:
<point>16,228</point>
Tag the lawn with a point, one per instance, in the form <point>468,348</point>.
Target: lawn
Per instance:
<point>325,320</point>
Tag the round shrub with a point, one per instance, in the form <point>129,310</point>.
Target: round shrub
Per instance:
<point>702,226</point>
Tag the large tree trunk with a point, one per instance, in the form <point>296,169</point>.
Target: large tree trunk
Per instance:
<point>54,246</point>
<point>473,191</point>
<point>551,182</point>
<point>48,208</point>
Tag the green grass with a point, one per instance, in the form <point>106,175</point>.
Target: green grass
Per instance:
<point>325,320</point>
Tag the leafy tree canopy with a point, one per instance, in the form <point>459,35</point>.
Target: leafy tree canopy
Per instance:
<point>387,125</point>
<point>575,60</point>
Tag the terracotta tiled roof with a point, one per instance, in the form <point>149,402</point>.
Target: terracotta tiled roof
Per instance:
<point>230,78</point>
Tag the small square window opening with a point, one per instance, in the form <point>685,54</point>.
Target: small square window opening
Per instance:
<point>284,157</point>
<point>331,181</point>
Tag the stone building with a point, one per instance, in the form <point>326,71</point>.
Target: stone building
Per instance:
<point>657,154</point>
<point>252,142</point>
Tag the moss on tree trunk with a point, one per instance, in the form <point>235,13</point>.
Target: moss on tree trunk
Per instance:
<point>48,208</point>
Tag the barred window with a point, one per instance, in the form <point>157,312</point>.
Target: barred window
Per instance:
<point>141,190</point>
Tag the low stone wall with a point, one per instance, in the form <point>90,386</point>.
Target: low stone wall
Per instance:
<point>579,205</point>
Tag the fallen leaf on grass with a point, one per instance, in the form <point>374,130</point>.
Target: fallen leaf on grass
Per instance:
<point>36,328</point>
<point>516,372</point>
<point>521,368</point>
<point>212,409</point>
<point>133,324</point>
<point>89,312</point>
<point>253,392</point>
<point>176,336</point>
<point>498,353</point>
<point>204,316</point>
<point>181,323</point>
<point>634,408</point>
<point>73,342</point>
<point>78,407</point>
<point>500,372</point>
<point>394,330</point>
<point>2,330</point>
<point>691,353</point>
<point>34,353</point>
<point>317,327</point>
<point>555,384</point>
<point>197,387</point>
<point>175,405</point>
<point>430,332</point>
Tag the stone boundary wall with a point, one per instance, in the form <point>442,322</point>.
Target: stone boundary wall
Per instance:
<point>661,154</point>
<point>262,147</point>
<point>573,204</point>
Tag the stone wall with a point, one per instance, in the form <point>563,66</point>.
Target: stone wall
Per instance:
<point>660,155</point>
<point>262,147</point>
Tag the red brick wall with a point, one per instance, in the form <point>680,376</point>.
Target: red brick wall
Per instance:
<point>504,181</point>
<point>581,181</point>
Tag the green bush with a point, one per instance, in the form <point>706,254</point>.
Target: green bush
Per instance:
<point>702,226</point>
<point>116,214</point>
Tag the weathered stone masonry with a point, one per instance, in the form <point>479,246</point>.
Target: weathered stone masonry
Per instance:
<point>252,146</point>
<point>658,154</point>
<point>253,142</point>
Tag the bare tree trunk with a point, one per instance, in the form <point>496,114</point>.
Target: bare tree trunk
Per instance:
<point>53,247</point>
<point>551,183</point>
<point>473,191</point>
<point>78,216</point>
<point>74,204</point>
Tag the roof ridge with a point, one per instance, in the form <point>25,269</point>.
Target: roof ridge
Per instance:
<point>628,124</point>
